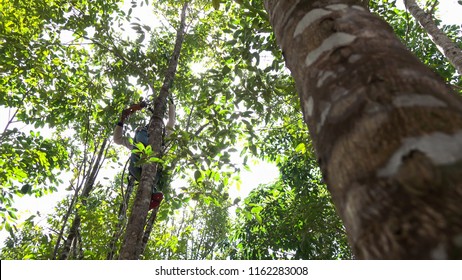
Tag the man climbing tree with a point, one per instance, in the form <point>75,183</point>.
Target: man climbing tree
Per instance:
<point>132,244</point>
<point>141,136</point>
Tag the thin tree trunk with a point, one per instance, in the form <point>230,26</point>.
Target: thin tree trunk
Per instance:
<point>90,182</point>
<point>122,215</point>
<point>448,47</point>
<point>70,237</point>
<point>387,131</point>
<point>79,238</point>
<point>64,223</point>
<point>134,234</point>
<point>148,229</point>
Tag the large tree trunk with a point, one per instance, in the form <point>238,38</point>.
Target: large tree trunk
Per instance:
<point>386,129</point>
<point>131,247</point>
<point>449,48</point>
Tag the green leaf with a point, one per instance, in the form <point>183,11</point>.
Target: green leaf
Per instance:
<point>26,188</point>
<point>20,174</point>
<point>31,218</point>
<point>238,185</point>
<point>29,257</point>
<point>225,70</point>
<point>216,4</point>
<point>256,209</point>
<point>141,38</point>
<point>253,148</point>
<point>176,204</point>
<point>140,146</point>
<point>155,159</point>
<point>197,175</point>
<point>258,217</point>
<point>8,227</point>
<point>301,148</point>
<point>12,214</point>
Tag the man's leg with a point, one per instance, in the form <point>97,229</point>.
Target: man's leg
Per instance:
<point>157,196</point>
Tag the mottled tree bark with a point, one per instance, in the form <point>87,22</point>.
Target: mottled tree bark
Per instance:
<point>131,247</point>
<point>449,48</point>
<point>387,131</point>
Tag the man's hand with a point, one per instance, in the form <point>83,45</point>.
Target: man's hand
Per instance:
<point>132,109</point>
<point>125,114</point>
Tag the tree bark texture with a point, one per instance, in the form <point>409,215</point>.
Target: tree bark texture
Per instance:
<point>449,48</point>
<point>387,131</point>
<point>131,247</point>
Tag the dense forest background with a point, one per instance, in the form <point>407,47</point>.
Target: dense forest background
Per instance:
<point>69,68</point>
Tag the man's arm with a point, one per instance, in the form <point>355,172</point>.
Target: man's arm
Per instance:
<point>118,137</point>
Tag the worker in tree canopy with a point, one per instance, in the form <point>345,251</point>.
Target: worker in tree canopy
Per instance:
<point>141,136</point>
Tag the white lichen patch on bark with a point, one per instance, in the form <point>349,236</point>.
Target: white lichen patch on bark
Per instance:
<point>354,58</point>
<point>334,41</point>
<point>439,253</point>
<point>358,8</point>
<point>311,17</point>
<point>353,207</point>
<point>288,13</point>
<point>308,107</point>
<point>276,7</point>
<point>338,93</point>
<point>367,33</point>
<point>324,114</point>
<point>407,72</point>
<point>323,77</point>
<point>343,105</point>
<point>337,7</point>
<point>441,148</point>
<point>414,100</point>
